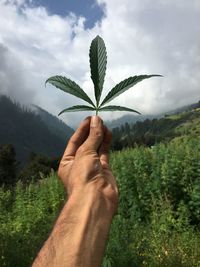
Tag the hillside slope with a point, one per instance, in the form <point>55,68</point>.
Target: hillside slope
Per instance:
<point>28,132</point>
<point>56,127</point>
<point>131,119</point>
<point>154,131</point>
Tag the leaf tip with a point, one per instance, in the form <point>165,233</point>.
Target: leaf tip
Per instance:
<point>46,82</point>
<point>158,75</point>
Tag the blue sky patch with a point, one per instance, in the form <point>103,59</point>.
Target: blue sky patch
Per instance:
<point>86,8</point>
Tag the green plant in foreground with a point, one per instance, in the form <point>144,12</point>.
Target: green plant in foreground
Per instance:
<point>98,61</point>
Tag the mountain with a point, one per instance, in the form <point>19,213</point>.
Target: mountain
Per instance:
<point>56,127</point>
<point>184,108</point>
<point>130,118</point>
<point>150,132</point>
<point>31,131</point>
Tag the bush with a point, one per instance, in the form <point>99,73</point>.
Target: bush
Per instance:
<point>27,218</point>
<point>158,217</point>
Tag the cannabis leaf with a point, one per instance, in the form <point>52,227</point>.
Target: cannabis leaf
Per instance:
<point>117,108</point>
<point>98,62</point>
<point>69,87</point>
<point>123,86</point>
<point>77,108</point>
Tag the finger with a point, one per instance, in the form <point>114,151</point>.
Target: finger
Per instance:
<point>95,137</point>
<point>77,138</point>
<point>104,148</point>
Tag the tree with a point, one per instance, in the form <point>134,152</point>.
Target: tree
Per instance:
<point>8,164</point>
<point>37,166</point>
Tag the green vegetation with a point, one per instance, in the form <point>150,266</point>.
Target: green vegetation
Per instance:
<point>8,165</point>
<point>158,218</point>
<point>37,166</point>
<point>150,132</point>
<point>98,62</point>
<point>27,215</point>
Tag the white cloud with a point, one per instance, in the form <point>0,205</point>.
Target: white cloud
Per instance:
<point>140,37</point>
<point>13,77</point>
<point>160,38</point>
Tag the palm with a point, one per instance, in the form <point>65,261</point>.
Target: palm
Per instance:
<point>82,165</point>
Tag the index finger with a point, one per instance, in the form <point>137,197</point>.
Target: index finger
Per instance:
<point>77,138</point>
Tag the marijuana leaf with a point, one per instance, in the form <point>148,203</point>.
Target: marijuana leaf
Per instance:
<point>118,108</point>
<point>123,86</point>
<point>77,108</point>
<point>69,87</point>
<point>98,61</point>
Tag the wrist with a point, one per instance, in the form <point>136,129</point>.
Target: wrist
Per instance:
<point>93,200</point>
<point>80,233</point>
<point>85,221</point>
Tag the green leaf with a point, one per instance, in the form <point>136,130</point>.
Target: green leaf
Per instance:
<point>118,108</point>
<point>77,108</point>
<point>123,86</point>
<point>69,87</point>
<point>98,61</point>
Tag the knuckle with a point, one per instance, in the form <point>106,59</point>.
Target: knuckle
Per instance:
<point>81,150</point>
<point>105,166</point>
<point>60,171</point>
<point>73,141</point>
<point>98,133</point>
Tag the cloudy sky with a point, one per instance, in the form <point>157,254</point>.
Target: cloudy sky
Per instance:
<point>41,38</point>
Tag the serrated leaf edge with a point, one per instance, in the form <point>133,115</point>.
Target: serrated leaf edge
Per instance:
<point>118,108</point>
<point>128,86</point>
<point>81,92</point>
<point>98,76</point>
<point>83,107</point>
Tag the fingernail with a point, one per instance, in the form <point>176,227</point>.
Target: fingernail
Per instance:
<point>95,121</point>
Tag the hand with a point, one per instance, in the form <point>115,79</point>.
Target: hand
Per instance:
<point>84,168</point>
<point>81,231</point>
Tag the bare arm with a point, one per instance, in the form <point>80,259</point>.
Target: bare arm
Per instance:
<point>81,231</point>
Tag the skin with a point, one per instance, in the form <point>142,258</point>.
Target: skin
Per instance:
<point>81,231</point>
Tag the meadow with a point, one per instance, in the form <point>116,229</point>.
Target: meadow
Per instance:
<point>158,220</point>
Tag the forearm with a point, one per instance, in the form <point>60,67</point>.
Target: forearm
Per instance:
<point>79,235</point>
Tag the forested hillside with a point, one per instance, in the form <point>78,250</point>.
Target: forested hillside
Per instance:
<point>29,132</point>
<point>149,132</point>
<point>132,119</point>
<point>55,126</point>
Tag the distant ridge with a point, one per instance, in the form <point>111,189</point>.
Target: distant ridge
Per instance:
<point>181,122</point>
<point>55,125</point>
<point>130,118</point>
<point>31,131</point>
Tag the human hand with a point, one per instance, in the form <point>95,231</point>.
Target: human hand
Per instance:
<point>81,231</point>
<point>84,168</point>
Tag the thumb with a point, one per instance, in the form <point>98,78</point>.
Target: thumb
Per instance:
<point>96,134</point>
